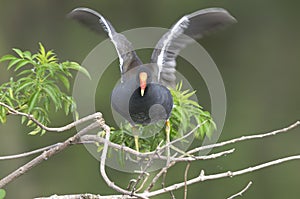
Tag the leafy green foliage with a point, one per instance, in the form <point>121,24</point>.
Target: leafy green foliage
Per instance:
<point>185,116</point>
<point>35,88</point>
<point>2,193</point>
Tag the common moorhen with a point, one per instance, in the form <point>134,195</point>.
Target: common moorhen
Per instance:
<point>143,97</point>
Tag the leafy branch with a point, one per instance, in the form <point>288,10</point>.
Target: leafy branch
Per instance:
<point>35,88</point>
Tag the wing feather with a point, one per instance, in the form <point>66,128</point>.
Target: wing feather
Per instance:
<point>185,31</point>
<point>96,22</point>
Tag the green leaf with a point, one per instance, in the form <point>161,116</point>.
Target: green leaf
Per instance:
<point>24,85</point>
<point>23,119</point>
<point>2,193</point>
<point>43,132</point>
<point>76,66</point>
<point>19,52</point>
<point>67,105</point>
<point>7,57</point>
<point>42,49</point>
<point>27,55</point>
<point>33,100</point>
<point>8,101</point>
<point>100,148</point>
<point>24,72</point>
<point>21,64</point>
<point>2,114</point>
<point>13,62</point>
<point>35,131</point>
<point>64,80</point>
<point>51,93</point>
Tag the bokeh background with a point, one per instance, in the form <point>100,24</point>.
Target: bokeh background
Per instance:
<point>259,59</point>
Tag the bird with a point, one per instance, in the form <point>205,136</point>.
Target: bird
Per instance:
<point>143,95</point>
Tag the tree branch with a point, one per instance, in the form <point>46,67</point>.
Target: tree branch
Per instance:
<point>102,164</point>
<point>186,178</point>
<point>87,196</point>
<point>185,183</point>
<point>51,129</point>
<point>203,177</point>
<point>21,155</point>
<point>243,138</point>
<point>241,192</point>
<point>46,155</point>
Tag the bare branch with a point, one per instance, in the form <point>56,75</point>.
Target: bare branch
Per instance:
<point>59,129</point>
<point>46,155</point>
<point>21,155</point>
<point>203,177</point>
<point>243,138</point>
<point>204,157</point>
<point>180,159</point>
<point>200,178</point>
<point>102,163</point>
<point>186,178</point>
<point>241,192</point>
<point>152,155</point>
<point>87,196</point>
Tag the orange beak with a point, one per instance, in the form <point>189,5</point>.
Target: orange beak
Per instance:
<point>143,82</point>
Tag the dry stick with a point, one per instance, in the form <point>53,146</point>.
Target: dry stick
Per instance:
<point>151,155</point>
<point>155,154</point>
<point>163,170</point>
<point>21,155</point>
<point>203,177</point>
<point>96,138</point>
<point>200,178</point>
<point>204,157</point>
<point>185,179</point>
<point>102,163</point>
<point>59,129</point>
<point>90,139</point>
<point>181,138</point>
<point>243,138</point>
<point>46,155</point>
<point>87,196</point>
<point>186,159</point>
<point>241,192</point>
<point>144,181</point>
<point>143,172</point>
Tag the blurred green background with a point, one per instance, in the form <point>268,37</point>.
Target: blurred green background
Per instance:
<point>259,61</point>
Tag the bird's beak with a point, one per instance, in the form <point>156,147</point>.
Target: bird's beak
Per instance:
<point>143,82</point>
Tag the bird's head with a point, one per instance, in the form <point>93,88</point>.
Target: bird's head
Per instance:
<point>143,76</point>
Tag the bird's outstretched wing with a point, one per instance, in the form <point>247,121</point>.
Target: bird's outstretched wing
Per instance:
<point>188,28</point>
<point>96,22</point>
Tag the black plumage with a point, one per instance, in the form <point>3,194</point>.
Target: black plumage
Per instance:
<point>143,97</point>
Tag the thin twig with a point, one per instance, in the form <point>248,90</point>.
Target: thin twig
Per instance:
<point>21,155</point>
<point>102,163</point>
<point>168,144</point>
<point>175,160</point>
<point>241,192</point>
<point>204,157</point>
<point>144,181</point>
<point>203,177</point>
<point>87,196</point>
<point>243,138</point>
<point>186,178</point>
<point>58,129</point>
